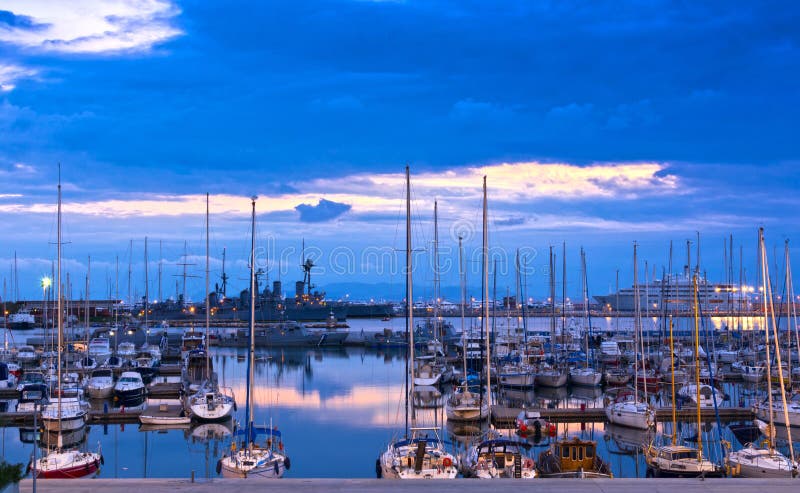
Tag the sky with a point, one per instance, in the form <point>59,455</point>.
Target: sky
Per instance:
<point>597,124</point>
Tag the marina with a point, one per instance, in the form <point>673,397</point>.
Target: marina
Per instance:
<point>394,245</point>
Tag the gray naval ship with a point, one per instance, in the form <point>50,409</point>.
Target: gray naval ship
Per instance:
<point>307,304</point>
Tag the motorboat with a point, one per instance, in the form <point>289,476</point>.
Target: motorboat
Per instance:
<point>100,384</point>
<point>498,458</point>
<point>679,461</point>
<point>130,389</point>
<point>164,412</point>
<point>99,349</point>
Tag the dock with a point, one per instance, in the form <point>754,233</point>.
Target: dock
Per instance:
<point>286,485</point>
<point>505,417</point>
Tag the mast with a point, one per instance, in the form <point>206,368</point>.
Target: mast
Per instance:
<point>462,280</point>
<point>16,279</point>
<point>781,381</point>
<point>60,317</point>
<point>436,280</point>
<point>146,294</point>
<point>764,294</point>
<point>585,294</point>
<point>486,298</point>
<point>552,305</point>
<point>672,366</point>
<point>252,351</point>
<point>616,319</point>
<point>563,288</point>
<point>160,271</point>
<point>696,304</point>
<point>130,275</point>
<point>208,299</point>
<point>116,304</point>
<point>86,304</point>
<point>409,302</point>
<point>636,322</point>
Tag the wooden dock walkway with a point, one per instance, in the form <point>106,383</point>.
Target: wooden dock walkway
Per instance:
<point>506,416</point>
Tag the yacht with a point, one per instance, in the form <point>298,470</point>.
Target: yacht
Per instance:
<point>130,389</point>
<point>100,349</point>
<point>679,461</point>
<point>101,384</point>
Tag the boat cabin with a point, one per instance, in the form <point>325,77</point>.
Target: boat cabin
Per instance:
<point>576,455</point>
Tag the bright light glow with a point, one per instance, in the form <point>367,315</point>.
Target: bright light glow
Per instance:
<point>46,282</point>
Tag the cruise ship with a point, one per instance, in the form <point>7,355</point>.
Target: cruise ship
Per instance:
<point>675,294</point>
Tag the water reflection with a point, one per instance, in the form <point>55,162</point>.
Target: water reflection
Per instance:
<point>323,398</point>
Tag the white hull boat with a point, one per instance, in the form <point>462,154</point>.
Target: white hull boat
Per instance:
<point>752,462</point>
<point>586,377</point>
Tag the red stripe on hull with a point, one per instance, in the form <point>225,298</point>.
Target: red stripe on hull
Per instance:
<point>70,472</point>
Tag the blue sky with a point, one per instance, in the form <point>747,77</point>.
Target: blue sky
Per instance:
<point>597,123</point>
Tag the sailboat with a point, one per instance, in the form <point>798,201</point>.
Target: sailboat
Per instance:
<point>417,455</point>
<point>495,457</point>
<point>552,376</point>
<point>210,403</point>
<point>254,459</point>
<point>66,413</point>
<point>627,409</point>
<point>464,405</point>
<point>766,462</point>
<point>675,459</point>
<point>586,376</point>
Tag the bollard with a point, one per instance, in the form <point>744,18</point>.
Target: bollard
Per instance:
<point>105,408</point>
<point>192,476</point>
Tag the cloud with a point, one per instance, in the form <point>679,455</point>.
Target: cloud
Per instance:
<point>511,185</point>
<point>511,221</point>
<point>88,26</point>
<point>325,210</point>
<point>10,74</point>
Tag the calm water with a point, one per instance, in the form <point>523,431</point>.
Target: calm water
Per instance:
<point>337,410</point>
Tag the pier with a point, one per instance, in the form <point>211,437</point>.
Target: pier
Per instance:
<point>658,485</point>
<point>505,417</point>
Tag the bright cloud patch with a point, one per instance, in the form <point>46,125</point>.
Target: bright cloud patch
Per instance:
<point>88,26</point>
<point>10,74</point>
<point>458,191</point>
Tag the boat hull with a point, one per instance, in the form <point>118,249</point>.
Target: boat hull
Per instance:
<point>65,424</point>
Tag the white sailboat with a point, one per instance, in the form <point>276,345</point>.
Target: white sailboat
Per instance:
<point>63,414</point>
<point>254,459</point>
<point>679,460</point>
<point>417,455</point>
<point>211,402</point>
<point>766,462</point>
<point>462,404</point>
<point>627,409</point>
<point>586,376</point>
